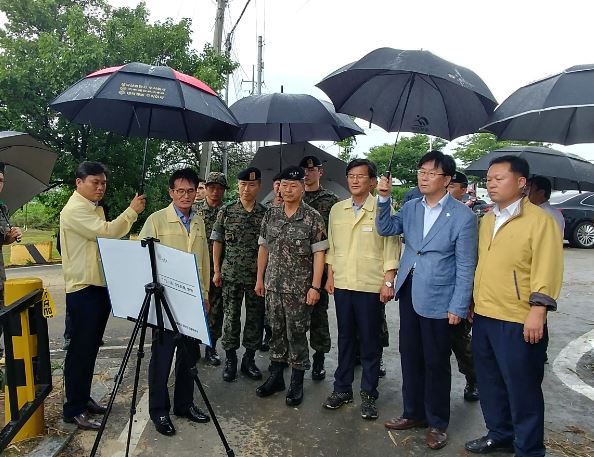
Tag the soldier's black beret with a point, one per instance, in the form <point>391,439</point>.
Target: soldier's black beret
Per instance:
<point>277,177</point>
<point>310,162</point>
<point>292,174</point>
<point>460,178</point>
<point>249,174</point>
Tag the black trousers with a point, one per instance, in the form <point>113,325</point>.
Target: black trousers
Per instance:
<point>362,313</point>
<point>159,367</point>
<point>425,348</point>
<point>89,310</point>
<point>462,349</point>
<point>510,373</point>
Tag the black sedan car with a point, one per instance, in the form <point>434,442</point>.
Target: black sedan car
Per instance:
<point>578,212</point>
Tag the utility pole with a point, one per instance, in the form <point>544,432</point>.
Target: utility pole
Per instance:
<point>259,67</point>
<point>216,44</point>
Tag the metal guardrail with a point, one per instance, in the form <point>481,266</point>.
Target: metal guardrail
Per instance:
<point>10,319</point>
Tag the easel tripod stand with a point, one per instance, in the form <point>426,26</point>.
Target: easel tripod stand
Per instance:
<point>156,290</point>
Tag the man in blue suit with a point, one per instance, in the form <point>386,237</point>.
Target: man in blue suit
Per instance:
<point>434,287</point>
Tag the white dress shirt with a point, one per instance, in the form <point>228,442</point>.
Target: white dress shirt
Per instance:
<point>503,215</point>
<point>431,214</point>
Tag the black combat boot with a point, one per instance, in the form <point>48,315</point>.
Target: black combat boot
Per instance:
<point>248,365</point>
<point>275,382</point>
<point>317,370</point>
<point>230,371</point>
<point>295,393</point>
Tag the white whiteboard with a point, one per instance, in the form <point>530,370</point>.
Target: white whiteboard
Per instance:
<point>127,269</point>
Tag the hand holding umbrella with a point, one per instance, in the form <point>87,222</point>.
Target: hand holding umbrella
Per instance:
<point>138,203</point>
<point>384,186</point>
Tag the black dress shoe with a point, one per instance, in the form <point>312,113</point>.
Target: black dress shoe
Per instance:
<point>486,445</point>
<point>83,421</point>
<point>164,426</point>
<point>95,408</point>
<point>194,414</point>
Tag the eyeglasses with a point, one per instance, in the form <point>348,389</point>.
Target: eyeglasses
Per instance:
<point>357,177</point>
<point>181,192</point>
<point>429,174</point>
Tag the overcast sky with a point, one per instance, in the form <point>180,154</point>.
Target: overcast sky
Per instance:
<point>507,43</point>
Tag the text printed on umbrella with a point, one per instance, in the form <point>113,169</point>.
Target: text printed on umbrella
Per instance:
<point>141,90</point>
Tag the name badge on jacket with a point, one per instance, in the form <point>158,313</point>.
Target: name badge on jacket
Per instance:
<point>367,228</point>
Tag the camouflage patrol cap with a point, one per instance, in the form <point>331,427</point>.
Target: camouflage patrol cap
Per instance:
<point>249,174</point>
<point>216,177</point>
<point>310,162</point>
<point>292,174</point>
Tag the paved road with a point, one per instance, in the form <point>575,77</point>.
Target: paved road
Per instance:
<point>266,427</point>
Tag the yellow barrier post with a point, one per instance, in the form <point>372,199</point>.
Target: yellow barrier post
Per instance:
<point>25,351</point>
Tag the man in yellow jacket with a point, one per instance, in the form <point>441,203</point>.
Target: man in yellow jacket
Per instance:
<point>517,281</point>
<point>177,226</point>
<point>361,270</point>
<point>82,220</point>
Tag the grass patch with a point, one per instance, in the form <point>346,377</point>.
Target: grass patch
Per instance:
<point>34,236</point>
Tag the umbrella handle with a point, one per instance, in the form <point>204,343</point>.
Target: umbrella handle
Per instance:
<point>142,177</point>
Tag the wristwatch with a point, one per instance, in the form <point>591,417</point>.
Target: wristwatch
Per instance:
<point>388,284</point>
<point>317,289</point>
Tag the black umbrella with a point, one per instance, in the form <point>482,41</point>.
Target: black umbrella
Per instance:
<point>411,91</point>
<point>28,168</point>
<point>333,179</point>
<point>558,109</point>
<point>139,100</point>
<point>565,171</point>
<point>290,118</point>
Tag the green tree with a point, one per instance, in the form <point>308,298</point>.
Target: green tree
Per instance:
<point>47,45</point>
<point>407,153</point>
<point>346,146</point>
<point>479,144</point>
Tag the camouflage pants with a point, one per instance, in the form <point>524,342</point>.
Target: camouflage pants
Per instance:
<point>215,314</point>
<point>289,317</point>
<point>233,294</point>
<point>319,332</point>
<point>461,346</point>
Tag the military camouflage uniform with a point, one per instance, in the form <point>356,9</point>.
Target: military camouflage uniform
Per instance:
<point>291,243</point>
<point>322,201</point>
<point>215,294</point>
<point>238,230</point>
